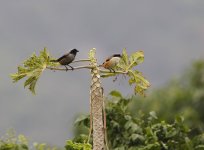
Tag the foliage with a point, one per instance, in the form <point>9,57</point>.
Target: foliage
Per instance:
<point>70,145</point>
<point>183,96</point>
<point>92,54</point>
<point>13,142</point>
<point>127,64</point>
<point>144,131</point>
<point>32,68</point>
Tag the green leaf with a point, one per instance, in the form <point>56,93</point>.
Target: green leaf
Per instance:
<point>80,119</point>
<point>115,124</point>
<point>41,146</point>
<point>29,81</point>
<point>179,119</point>
<point>141,84</point>
<point>77,146</point>
<point>125,57</point>
<point>127,117</point>
<point>153,114</point>
<point>136,58</point>
<point>32,86</point>
<point>22,139</point>
<point>32,68</point>
<point>199,147</point>
<point>116,94</point>
<point>135,137</point>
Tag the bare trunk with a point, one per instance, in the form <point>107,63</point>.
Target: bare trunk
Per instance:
<point>97,109</point>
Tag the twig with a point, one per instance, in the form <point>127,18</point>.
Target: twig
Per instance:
<point>104,121</point>
<point>91,123</point>
<point>74,68</point>
<point>87,67</point>
<point>108,71</point>
<point>81,60</point>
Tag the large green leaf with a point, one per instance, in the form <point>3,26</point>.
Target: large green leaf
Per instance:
<point>32,68</point>
<point>141,84</point>
<point>136,58</point>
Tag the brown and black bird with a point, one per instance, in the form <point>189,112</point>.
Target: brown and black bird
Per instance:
<point>111,62</point>
<point>66,59</point>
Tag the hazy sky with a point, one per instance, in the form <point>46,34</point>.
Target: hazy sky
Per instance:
<point>171,33</point>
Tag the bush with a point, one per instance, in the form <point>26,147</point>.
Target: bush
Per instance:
<point>125,130</point>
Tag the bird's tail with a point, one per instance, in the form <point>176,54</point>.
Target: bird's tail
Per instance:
<point>102,65</point>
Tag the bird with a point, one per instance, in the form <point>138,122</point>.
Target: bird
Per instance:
<point>111,62</point>
<point>67,58</point>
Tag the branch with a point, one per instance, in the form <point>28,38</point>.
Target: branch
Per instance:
<point>75,68</point>
<point>117,72</point>
<point>81,60</point>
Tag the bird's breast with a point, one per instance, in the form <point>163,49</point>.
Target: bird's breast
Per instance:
<point>111,63</point>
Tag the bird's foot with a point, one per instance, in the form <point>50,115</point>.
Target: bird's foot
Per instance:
<point>112,70</point>
<point>71,67</point>
<point>66,68</point>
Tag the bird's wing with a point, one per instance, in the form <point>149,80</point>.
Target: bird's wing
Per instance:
<point>109,58</point>
<point>65,55</point>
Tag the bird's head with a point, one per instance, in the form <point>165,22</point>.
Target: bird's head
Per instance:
<point>74,51</point>
<point>117,55</point>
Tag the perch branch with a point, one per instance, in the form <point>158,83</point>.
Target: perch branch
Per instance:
<point>64,69</point>
<point>81,60</point>
<point>117,72</point>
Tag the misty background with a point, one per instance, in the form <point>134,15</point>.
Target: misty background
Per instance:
<point>171,34</point>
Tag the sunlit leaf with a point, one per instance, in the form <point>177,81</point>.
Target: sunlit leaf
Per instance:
<point>116,94</point>
<point>77,146</point>
<point>136,58</point>
<point>32,68</point>
<point>80,119</point>
<point>125,57</point>
<point>141,84</point>
<point>153,114</point>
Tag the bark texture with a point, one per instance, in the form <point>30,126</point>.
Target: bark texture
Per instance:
<point>97,108</point>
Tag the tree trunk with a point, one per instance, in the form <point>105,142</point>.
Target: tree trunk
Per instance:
<point>97,109</point>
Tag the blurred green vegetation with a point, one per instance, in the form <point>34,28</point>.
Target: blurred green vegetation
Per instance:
<point>144,131</point>
<point>180,97</point>
<point>156,121</point>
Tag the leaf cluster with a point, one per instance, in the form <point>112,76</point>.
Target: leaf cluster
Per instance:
<point>70,145</point>
<point>92,54</point>
<point>126,66</point>
<point>32,68</point>
<point>181,96</point>
<point>144,131</point>
<point>12,142</point>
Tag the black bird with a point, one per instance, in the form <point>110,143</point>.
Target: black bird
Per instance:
<point>66,59</point>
